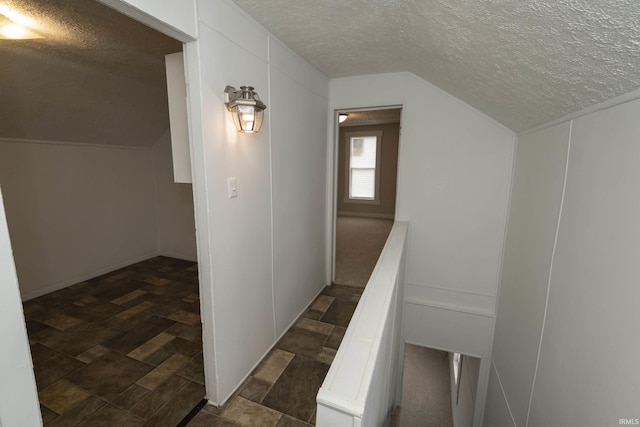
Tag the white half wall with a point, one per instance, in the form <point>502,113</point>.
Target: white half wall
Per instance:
<point>18,397</point>
<point>76,211</point>
<point>176,223</point>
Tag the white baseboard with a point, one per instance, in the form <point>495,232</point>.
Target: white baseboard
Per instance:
<point>99,272</point>
<point>367,215</point>
<point>451,299</point>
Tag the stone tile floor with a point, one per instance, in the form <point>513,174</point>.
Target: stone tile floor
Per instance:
<point>125,349</point>
<point>281,391</point>
<point>122,349</point>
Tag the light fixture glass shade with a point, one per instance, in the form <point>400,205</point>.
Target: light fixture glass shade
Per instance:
<point>342,117</point>
<point>246,108</point>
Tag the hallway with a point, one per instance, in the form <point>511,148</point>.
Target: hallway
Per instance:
<point>125,348</point>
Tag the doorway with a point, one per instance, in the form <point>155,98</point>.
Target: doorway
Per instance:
<point>366,163</point>
<point>96,201</point>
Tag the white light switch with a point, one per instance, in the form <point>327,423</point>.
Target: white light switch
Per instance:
<point>231,186</point>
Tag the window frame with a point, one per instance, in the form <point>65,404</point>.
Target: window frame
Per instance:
<point>347,190</point>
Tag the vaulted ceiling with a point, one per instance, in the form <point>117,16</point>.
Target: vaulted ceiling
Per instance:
<point>522,62</point>
<point>97,76</point>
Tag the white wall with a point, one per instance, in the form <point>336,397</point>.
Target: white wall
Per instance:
<point>298,134</point>
<point>18,398</point>
<point>586,373</point>
<point>535,205</point>
<point>176,223</point>
<point>453,184</point>
<point>262,253</point>
<point>454,178</point>
<point>76,211</point>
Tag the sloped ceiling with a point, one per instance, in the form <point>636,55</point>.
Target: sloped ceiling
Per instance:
<point>96,76</point>
<point>522,62</point>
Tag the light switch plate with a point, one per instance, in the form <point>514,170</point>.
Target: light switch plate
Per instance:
<point>232,187</point>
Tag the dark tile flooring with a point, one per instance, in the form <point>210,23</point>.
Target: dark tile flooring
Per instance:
<point>282,390</point>
<point>125,349</point>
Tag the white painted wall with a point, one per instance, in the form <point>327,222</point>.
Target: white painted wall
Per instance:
<point>586,371</point>
<point>76,211</point>
<point>454,178</point>
<point>262,253</point>
<point>453,184</point>
<point>176,223</point>
<point>18,398</point>
<point>592,315</point>
<point>535,205</point>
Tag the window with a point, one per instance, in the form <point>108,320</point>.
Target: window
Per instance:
<point>363,167</point>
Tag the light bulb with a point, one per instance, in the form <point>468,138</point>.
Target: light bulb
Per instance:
<point>13,31</point>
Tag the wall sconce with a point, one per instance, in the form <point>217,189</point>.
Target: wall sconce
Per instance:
<point>342,117</point>
<point>246,108</point>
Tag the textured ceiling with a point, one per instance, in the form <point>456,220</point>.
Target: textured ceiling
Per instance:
<point>96,76</point>
<point>524,63</point>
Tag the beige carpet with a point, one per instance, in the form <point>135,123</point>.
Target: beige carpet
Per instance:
<point>359,242</point>
<point>426,389</point>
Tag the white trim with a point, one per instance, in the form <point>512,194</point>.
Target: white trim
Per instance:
<point>145,18</point>
<point>87,276</point>
<point>366,215</point>
<point>449,307</point>
<point>460,291</point>
<point>271,209</point>
<point>74,144</point>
